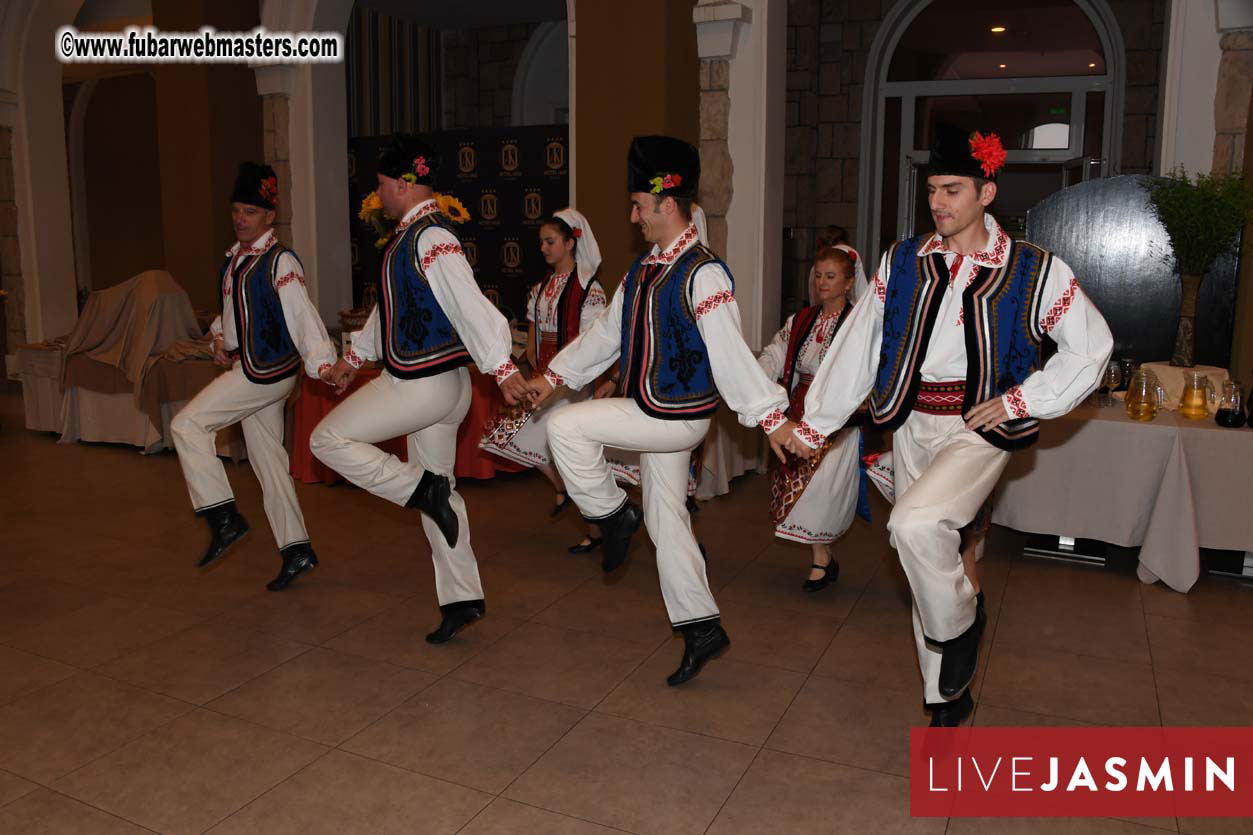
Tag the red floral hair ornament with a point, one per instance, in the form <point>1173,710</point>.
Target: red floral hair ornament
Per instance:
<point>988,152</point>
<point>420,167</point>
<point>577,232</point>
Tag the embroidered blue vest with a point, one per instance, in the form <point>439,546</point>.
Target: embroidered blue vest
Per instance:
<point>418,339</point>
<point>664,359</point>
<point>1000,311</point>
<point>266,351</point>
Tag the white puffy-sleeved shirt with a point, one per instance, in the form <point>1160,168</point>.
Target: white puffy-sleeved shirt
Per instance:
<point>756,398</point>
<point>773,357</point>
<point>543,305</point>
<point>308,331</point>
<point>480,326</point>
<point>1084,343</point>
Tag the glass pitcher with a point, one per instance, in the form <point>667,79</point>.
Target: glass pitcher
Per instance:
<point>1230,405</point>
<point>1144,395</point>
<point>1198,394</point>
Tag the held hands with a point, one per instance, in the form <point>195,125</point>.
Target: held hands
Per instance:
<point>515,388</point>
<point>538,389</point>
<point>778,439</point>
<point>605,389</point>
<point>987,415</point>
<point>220,357</point>
<point>339,375</point>
<point>795,445</point>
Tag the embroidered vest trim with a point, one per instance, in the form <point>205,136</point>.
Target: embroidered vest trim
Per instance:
<point>267,353</point>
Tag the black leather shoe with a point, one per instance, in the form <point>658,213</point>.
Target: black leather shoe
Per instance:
<point>951,714</point>
<point>616,532</point>
<point>961,658</point>
<point>559,506</point>
<point>226,527</point>
<point>431,497</point>
<point>701,642</point>
<point>593,542</point>
<point>456,616</point>
<point>831,573</point>
<point>297,559</point>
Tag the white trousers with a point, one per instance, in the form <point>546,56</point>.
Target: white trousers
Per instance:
<point>428,410</point>
<point>943,474</point>
<point>578,435</point>
<point>258,408</point>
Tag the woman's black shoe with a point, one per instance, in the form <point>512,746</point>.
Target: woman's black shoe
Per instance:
<point>593,542</point>
<point>830,573</point>
<point>560,506</point>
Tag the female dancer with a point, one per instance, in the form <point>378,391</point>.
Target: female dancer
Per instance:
<point>813,500</point>
<point>559,308</point>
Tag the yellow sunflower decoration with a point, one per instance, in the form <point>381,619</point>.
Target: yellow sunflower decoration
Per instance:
<point>373,213</point>
<point>452,207</point>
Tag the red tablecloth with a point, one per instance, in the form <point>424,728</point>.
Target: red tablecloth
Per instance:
<point>316,400</point>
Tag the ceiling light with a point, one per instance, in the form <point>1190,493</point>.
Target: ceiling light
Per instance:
<point>1090,66</point>
<point>998,29</point>
<point>1002,66</point>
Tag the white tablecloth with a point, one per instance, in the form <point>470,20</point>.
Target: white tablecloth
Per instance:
<point>1170,486</point>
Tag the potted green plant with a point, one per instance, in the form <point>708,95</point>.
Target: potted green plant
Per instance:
<point>1202,218</point>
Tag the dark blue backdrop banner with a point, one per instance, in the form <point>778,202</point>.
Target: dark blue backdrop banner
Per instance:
<point>508,179</point>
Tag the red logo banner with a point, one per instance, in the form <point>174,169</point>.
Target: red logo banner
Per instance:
<point>1081,772</point>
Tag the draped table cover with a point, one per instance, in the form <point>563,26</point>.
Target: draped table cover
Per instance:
<point>1170,486</point>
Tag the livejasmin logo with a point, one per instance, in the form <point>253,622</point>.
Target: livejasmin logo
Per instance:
<point>1081,772</point>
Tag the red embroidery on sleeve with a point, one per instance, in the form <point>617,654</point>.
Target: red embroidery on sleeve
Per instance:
<point>1017,405</point>
<point>773,421</point>
<point>507,369</point>
<point>288,279</point>
<point>1059,308</point>
<point>554,379</point>
<point>428,257</point>
<point>809,435</point>
<point>880,289</point>
<point>714,302</point>
<point>353,359</point>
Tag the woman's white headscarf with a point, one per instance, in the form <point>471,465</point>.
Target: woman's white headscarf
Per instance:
<point>586,251</point>
<point>702,226</point>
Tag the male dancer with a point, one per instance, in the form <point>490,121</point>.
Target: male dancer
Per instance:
<point>948,345</point>
<point>270,326</point>
<point>675,324</point>
<point>430,321</point>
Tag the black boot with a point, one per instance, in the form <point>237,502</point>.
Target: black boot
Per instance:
<point>456,616</point>
<point>701,642</point>
<point>431,497</point>
<point>951,714</point>
<point>961,656</point>
<point>297,559</point>
<point>226,527</point>
<point>616,530</point>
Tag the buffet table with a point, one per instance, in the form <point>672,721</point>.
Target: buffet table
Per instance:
<point>1170,486</point>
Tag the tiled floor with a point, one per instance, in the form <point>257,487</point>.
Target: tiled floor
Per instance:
<point>138,694</point>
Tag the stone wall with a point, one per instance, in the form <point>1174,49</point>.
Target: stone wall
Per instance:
<point>828,47</point>
<point>716,167</point>
<point>479,67</point>
<point>1232,101</point>
<point>10,252</point>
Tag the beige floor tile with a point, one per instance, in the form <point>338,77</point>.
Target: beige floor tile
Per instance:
<point>764,583</point>
<point>308,612</point>
<point>875,656</point>
<point>616,612</point>
<point>635,777</point>
<point>730,699</point>
<point>44,812</point>
<point>203,662</point>
<point>29,601</point>
<point>55,730</point>
<point>1048,826</point>
<point>1212,599</point>
<point>323,695</point>
<point>100,632</point>
<point>1200,648</point>
<point>186,776</point>
<point>991,716</point>
<point>1189,698</point>
<point>1097,690</point>
<point>520,591</point>
<point>1214,826</point>
<point>465,733</point>
<point>506,817</point>
<point>787,793</point>
<point>22,673</point>
<point>1111,628</point>
<point>397,636</point>
<point>12,787</point>
<point>342,793</point>
<point>777,638</point>
<point>560,665</point>
<point>851,724</point>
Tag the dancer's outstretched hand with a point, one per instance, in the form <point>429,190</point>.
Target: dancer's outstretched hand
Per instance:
<point>538,389</point>
<point>514,388</point>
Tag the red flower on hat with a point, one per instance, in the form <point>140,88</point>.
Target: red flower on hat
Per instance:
<point>269,189</point>
<point>578,232</point>
<point>988,152</point>
<point>671,181</point>
<point>420,166</point>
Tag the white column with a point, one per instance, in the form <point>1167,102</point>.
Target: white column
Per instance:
<point>752,36</point>
<point>1186,128</point>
